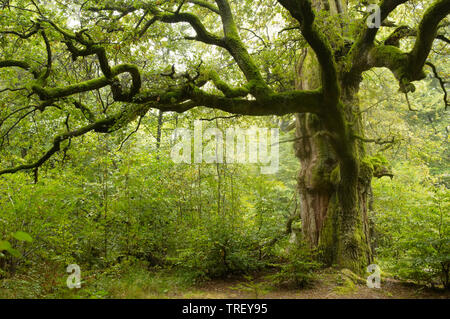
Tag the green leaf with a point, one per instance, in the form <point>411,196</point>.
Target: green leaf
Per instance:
<point>22,236</point>
<point>14,252</point>
<point>4,245</point>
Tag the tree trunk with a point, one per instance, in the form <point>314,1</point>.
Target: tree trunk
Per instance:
<point>333,190</point>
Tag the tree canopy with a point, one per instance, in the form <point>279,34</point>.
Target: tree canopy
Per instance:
<point>102,64</point>
<point>91,93</point>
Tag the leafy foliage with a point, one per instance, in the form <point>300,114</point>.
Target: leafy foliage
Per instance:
<point>118,206</point>
<point>413,232</point>
<point>298,267</point>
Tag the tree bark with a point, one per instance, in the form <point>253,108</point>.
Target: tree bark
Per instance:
<point>333,190</point>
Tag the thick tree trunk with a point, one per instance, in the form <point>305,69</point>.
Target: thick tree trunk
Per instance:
<point>333,191</point>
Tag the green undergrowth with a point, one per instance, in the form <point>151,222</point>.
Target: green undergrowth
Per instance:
<point>122,281</point>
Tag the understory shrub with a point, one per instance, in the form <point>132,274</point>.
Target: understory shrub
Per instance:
<point>412,233</point>
<point>297,267</point>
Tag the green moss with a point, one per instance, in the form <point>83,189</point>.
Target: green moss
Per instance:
<point>319,177</point>
<point>391,53</point>
<point>398,62</point>
<point>329,238</point>
<point>94,84</point>
<point>342,240</point>
<point>335,176</point>
<point>344,285</point>
<point>256,85</point>
<point>352,276</point>
<point>225,88</point>
<point>373,166</point>
<point>366,170</point>
<point>170,97</point>
<point>378,160</point>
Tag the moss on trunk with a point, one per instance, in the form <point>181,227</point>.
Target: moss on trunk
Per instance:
<point>334,180</point>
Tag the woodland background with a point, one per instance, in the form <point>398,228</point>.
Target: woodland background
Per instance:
<point>141,226</point>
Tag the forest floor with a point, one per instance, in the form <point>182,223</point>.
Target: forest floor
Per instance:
<point>142,283</point>
<point>324,287</point>
<point>391,289</point>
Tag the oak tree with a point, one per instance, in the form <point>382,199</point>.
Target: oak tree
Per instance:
<point>117,48</point>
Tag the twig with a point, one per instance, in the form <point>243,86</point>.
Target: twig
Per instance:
<point>128,137</point>
<point>409,104</point>
<point>441,82</point>
<point>221,117</point>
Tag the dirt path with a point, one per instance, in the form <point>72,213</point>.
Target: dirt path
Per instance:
<point>324,288</point>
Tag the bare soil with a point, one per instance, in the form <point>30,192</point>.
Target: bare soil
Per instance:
<point>324,287</point>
